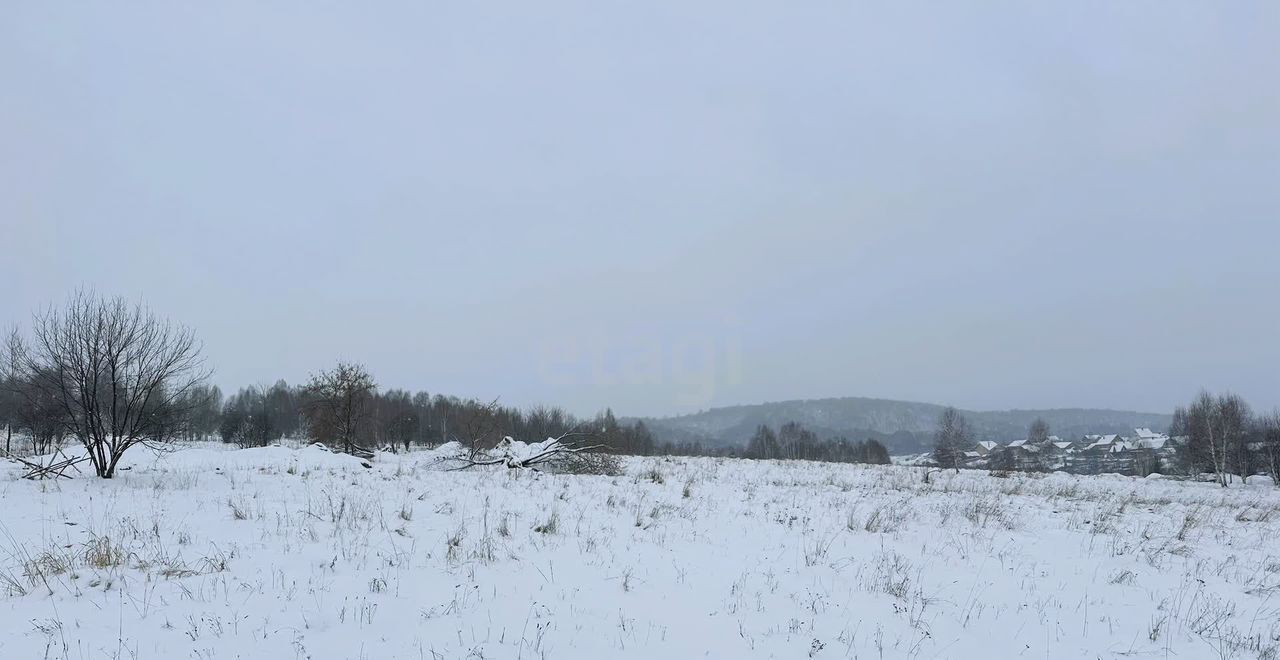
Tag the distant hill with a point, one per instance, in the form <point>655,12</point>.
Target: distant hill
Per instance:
<point>904,426</point>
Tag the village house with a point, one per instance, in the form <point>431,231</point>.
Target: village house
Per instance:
<point>1144,452</point>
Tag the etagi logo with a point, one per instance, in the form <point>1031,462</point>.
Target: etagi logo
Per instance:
<point>693,366</point>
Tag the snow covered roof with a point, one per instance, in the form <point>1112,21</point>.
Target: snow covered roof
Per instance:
<point>1017,443</point>
<point>988,445</point>
<point>1107,442</point>
<point>1063,445</point>
<point>972,454</point>
<point>1146,433</point>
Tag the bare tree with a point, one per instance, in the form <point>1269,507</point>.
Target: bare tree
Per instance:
<point>399,418</point>
<point>1039,432</point>
<point>10,372</point>
<point>1268,431</point>
<point>338,405</point>
<point>1216,431</point>
<point>118,375</point>
<point>763,444</point>
<point>38,412</point>
<point>951,438</point>
<point>207,402</point>
<point>547,422</point>
<point>479,425</point>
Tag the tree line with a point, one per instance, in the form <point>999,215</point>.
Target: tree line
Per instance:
<point>793,441</point>
<point>344,406</point>
<point>109,375</point>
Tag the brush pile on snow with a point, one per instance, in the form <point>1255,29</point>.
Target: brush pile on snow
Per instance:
<point>552,455</point>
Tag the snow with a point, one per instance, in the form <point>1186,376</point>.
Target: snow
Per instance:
<point>277,552</point>
<point>1147,434</point>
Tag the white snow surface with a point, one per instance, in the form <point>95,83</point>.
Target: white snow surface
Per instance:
<point>212,553</point>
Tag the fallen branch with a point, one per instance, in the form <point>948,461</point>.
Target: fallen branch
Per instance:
<point>539,454</point>
<point>55,470</point>
<point>357,451</point>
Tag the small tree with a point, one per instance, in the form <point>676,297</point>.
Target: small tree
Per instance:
<point>206,403</point>
<point>117,375</point>
<point>764,444</point>
<point>953,435</point>
<point>338,404</point>
<point>876,453</point>
<point>478,425</point>
<point>1039,432</point>
<point>233,425</point>
<point>10,386</point>
<point>1267,431</point>
<point>399,418</point>
<point>38,412</point>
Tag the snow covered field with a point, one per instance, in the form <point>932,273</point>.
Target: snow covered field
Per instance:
<point>211,553</point>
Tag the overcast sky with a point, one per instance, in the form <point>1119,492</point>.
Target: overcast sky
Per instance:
<point>664,206</point>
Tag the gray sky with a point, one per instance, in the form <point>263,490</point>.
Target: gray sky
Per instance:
<point>662,206</point>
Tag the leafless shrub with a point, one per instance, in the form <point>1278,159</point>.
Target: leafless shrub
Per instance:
<point>653,474</point>
<point>550,526</point>
<point>891,574</point>
<point>1190,520</point>
<point>816,550</point>
<point>982,511</point>
<point>453,544</point>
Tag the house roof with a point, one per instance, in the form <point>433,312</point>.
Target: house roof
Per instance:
<point>988,445</point>
<point>1105,442</point>
<point>1017,443</point>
